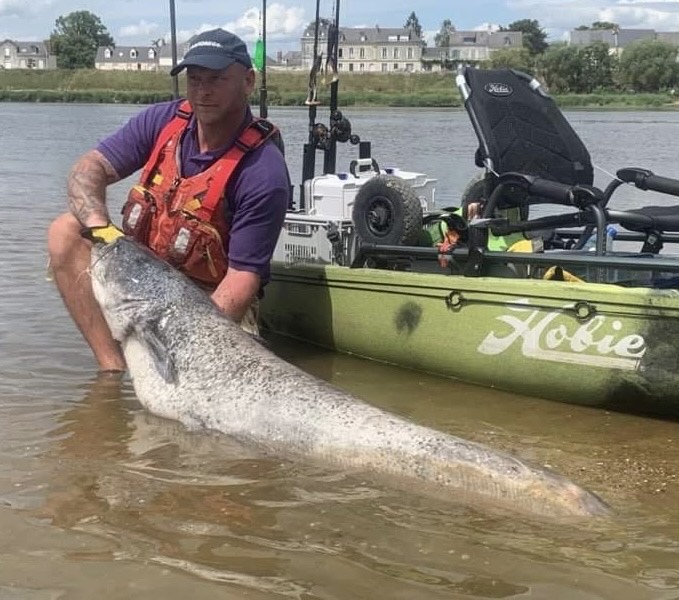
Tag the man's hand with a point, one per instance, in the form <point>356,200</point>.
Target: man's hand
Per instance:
<point>102,233</point>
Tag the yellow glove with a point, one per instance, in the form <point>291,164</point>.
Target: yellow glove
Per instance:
<point>102,233</point>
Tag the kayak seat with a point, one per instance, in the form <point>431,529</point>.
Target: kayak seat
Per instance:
<point>520,128</point>
<point>531,155</point>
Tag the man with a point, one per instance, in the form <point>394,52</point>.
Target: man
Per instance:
<point>211,199</point>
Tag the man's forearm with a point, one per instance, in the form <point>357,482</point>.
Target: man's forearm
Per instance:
<point>87,183</point>
<point>236,292</point>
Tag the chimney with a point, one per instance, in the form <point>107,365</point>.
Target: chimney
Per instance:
<point>279,56</point>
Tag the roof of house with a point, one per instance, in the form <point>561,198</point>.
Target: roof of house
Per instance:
<point>584,37</point>
<point>474,39</point>
<point>165,51</point>
<point>366,35</point>
<point>487,39</point>
<point>378,35</point>
<point>124,54</point>
<point>27,48</point>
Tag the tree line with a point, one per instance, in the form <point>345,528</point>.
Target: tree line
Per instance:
<point>645,66</point>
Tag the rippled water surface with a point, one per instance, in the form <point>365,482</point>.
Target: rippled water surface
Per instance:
<point>100,499</point>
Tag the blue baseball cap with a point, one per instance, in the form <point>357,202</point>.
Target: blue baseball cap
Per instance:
<point>215,49</point>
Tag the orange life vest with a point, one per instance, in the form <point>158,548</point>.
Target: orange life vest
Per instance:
<point>182,218</point>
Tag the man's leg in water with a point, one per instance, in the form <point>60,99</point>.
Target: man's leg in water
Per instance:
<point>70,260</point>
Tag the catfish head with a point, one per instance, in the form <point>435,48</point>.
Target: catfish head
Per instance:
<point>128,283</point>
<point>138,292</point>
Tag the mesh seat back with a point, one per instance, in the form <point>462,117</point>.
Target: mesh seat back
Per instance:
<point>521,129</point>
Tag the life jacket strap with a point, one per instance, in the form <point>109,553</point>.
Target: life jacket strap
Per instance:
<point>178,122</point>
<point>254,135</point>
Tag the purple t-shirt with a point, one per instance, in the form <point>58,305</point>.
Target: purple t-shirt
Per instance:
<point>257,194</point>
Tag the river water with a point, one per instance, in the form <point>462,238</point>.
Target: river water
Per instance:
<point>100,499</point>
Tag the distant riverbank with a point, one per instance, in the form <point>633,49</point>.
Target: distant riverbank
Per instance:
<point>285,88</point>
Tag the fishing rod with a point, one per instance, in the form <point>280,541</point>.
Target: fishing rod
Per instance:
<point>263,108</point>
<point>173,41</point>
<point>330,158</point>
<point>309,151</point>
<point>322,137</point>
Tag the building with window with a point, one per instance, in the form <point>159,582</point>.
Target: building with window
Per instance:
<point>389,50</point>
<point>469,48</point>
<point>367,49</point>
<point>127,58</point>
<point>26,55</point>
<point>619,39</point>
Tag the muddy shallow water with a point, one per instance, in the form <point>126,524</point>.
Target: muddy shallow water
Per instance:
<point>99,498</point>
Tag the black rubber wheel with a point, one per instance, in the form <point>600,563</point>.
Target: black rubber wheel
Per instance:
<point>474,192</point>
<point>387,211</point>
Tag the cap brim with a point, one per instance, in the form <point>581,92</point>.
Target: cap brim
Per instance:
<point>207,61</point>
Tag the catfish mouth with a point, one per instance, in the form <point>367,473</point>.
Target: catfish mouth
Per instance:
<point>99,264</point>
<point>101,249</point>
<point>108,276</point>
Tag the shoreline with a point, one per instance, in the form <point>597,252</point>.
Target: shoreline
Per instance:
<point>288,88</point>
<point>630,102</point>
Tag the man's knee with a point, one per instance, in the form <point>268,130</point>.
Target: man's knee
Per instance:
<point>63,238</point>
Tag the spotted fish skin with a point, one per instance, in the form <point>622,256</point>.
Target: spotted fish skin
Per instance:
<point>190,362</point>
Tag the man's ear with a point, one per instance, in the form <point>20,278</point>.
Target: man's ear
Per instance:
<point>250,80</point>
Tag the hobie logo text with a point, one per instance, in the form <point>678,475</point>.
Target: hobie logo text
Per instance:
<point>596,343</point>
<point>498,89</point>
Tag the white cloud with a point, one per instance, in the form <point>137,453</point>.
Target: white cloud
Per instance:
<point>142,28</point>
<point>487,27</point>
<point>562,15</point>
<point>281,23</point>
<point>21,8</point>
<point>537,4</point>
<point>650,2</point>
<point>12,8</point>
<point>139,22</point>
<point>184,35</point>
<point>641,18</point>
<point>286,21</point>
<point>247,25</point>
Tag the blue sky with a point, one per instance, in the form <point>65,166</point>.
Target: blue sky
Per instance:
<point>139,21</point>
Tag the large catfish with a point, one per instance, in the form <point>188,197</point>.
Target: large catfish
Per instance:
<point>190,362</point>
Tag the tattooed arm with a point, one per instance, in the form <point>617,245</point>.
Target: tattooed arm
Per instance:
<point>87,183</point>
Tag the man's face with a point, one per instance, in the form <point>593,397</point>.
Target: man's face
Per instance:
<point>219,95</point>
